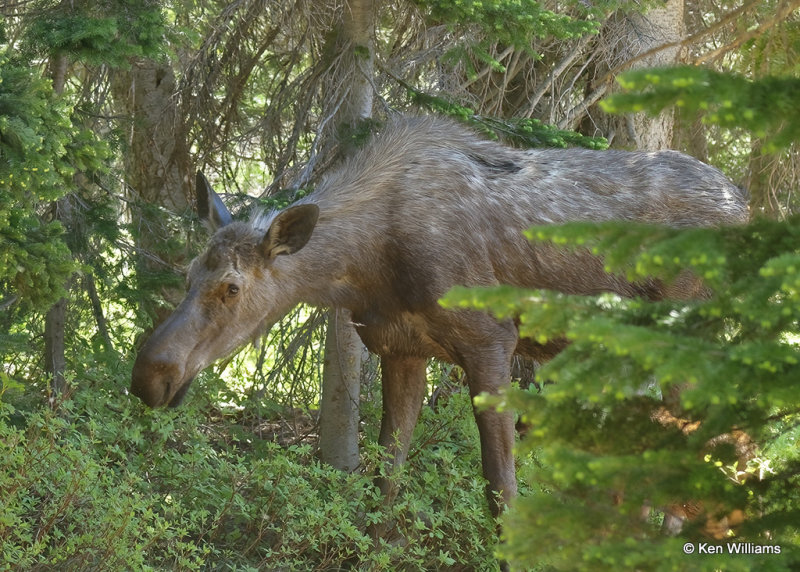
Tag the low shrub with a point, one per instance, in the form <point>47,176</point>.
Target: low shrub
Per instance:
<point>102,483</point>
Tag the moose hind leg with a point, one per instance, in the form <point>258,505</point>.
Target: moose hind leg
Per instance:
<point>497,443</point>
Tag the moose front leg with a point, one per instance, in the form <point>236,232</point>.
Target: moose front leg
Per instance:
<point>403,380</point>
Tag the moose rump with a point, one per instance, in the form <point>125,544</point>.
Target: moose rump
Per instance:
<point>425,206</point>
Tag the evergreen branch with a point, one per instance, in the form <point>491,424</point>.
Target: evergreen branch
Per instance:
<point>487,69</point>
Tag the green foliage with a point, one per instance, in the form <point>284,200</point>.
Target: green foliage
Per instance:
<point>530,132</point>
<point>675,403</point>
<point>39,149</point>
<point>108,33</point>
<point>509,22</point>
<point>765,107</point>
<point>525,132</point>
<point>438,104</point>
<point>480,26</point>
<point>103,483</point>
<point>601,428</point>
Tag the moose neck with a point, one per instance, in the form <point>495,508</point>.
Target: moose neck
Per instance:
<point>327,270</point>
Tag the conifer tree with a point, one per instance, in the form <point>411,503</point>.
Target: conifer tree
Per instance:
<point>35,132</point>
<point>669,438</point>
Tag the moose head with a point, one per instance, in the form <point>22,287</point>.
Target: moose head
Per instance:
<point>234,289</point>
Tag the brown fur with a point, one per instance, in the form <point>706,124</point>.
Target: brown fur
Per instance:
<point>426,206</point>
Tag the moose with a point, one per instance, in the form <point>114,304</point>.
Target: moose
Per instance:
<point>426,205</point>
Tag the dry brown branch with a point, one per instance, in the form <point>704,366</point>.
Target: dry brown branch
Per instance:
<point>574,115</point>
<point>781,14</point>
<point>604,83</point>
<point>11,8</point>
<point>548,83</point>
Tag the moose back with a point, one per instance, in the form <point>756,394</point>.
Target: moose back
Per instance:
<point>425,206</point>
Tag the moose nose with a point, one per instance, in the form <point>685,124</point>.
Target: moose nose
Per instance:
<point>155,378</point>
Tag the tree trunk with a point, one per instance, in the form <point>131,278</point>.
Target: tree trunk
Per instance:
<point>690,134</point>
<point>158,172</point>
<point>55,360</point>
<point>97,311</point>
<point>627,37</point>
<point>341,387</point>
<point>341,376</point>
<point>357,29</point>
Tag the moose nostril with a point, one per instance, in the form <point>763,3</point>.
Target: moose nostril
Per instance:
<point>153,378</point>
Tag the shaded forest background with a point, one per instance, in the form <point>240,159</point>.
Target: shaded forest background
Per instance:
<point>108,108</point>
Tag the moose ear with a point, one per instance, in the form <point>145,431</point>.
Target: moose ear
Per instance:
<point>290,230</point>
<point>210,207</point>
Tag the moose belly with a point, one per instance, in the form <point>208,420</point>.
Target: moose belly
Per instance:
<point>405,334</point>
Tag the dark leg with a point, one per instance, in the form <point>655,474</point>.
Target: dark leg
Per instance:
<point>488,369</point>
<point>484,350</point>
<point>497,435</point>
<point>403,381</point>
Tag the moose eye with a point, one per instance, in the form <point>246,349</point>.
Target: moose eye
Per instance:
<point>233,290</point>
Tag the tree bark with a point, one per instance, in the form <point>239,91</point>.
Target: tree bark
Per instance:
<point>341,376</point>
<point>158,169</point>
<point>55,360</point>
<point>357,29</point>
<point>341,388</point>
<point>97,311</point>
<point>625,37</point>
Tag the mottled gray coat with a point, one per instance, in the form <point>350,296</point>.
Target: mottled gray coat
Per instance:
<point>424,206</point>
